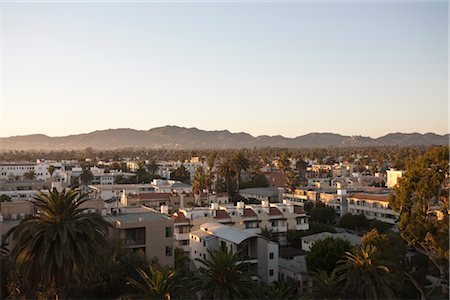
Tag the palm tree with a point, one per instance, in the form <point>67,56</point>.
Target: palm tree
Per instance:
<point>326,286</point>
<point>51,170</point>
<point>61,242</point>
<point>156,284</point>
<point>153,167</point>
<point>240,163</point>
<point>279,290</point>
<point>364,276</point>
<point>224,277</point>
<point>227,171</point>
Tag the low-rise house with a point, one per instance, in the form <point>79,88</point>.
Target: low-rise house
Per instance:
<point>259,252</point>
<point>270,194</point>
<point>309,240</point>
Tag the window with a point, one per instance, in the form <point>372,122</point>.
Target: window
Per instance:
<point>184,242</point>
<point>223,245</point>
<point>271,272</point>
<point>271,255</point>
<point>168,232</point>
<point>169,251</point>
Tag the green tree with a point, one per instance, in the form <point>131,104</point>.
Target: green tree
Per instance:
<point>59,244</point>
<point>155,284</point>
<point>353,222</point>
<point>325,254</point>
<point>181,174</point>
<point>86,176</point>
<point>153,167</point>
<point>422,199</point>
<point>227,172</point>
<point>51,170</point>
<point>224,277</point>
<point>365,276</point>
<point>279,290</point>
<point>30,175</point>
<point>326,286</point>
<point>5,198</point>
<point>239,163</point>
<point>325,214</point>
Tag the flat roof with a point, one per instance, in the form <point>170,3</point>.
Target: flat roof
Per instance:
<point>267,191</point>
<point>225,232</point>
<point>135,214</point>
<point>354,239</point>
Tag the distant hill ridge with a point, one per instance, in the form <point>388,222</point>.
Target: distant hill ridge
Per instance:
<point>174,137</point>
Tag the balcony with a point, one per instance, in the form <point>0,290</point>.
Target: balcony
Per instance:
<point>181,236</point>
<point>132,242</point>
<point>304,226</point>
<point>279,228</point>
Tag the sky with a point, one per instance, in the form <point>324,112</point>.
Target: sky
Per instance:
<point>265,68</point>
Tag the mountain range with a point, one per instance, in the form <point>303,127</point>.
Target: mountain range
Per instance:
<point>174,137</point>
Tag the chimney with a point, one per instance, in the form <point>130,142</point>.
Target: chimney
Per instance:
<point>165,209</point>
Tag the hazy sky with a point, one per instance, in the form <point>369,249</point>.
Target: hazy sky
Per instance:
<point>263,68</point>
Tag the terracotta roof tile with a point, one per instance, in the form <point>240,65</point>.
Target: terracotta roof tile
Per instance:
<point>248,212</point>
<point>298,210</point>
<point>273,211</point>
<point>222,214</point>
<point>179,217</point>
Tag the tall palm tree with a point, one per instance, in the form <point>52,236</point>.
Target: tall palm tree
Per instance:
<point>240,163</point>
<point>227,171</point>
<point>224,277</point>
<point>279,290</point>
<point>156,284</point>
<point>61,242</point>
<point>364,276</point>
<point>326,286</point>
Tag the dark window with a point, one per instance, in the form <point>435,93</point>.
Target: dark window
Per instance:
<point>168,251</point>
<point>168,231</point>
<point>271,272</point>
<point>271,255</point>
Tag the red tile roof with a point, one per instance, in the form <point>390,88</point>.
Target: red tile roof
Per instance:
<point>273,211</point>
<point>383,198</point>
<point>179,217</point>
<point>248,212</point>
<point>222,214</point>
<point>298,210</point>
<point>154,196</point>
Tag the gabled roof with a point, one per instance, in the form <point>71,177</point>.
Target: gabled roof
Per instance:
<point>273,211</point>
<point>298,210</point>
<point>179,217</point>
<point>222,214</point>
<point>248,212</point>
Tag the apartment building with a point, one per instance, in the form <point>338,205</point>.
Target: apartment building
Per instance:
<point>252,218</point>
<point>144,229</point>
<point>140,228</point>
<point>373,206</point>
<point>257,251</point>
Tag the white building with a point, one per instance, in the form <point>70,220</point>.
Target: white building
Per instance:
<point>309,240</point>
<point>256,250</point>
<point>393,176</point>
<point>373,206</point>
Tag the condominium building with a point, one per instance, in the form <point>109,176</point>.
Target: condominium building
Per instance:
<point>275,217</point>
<point>373,206</point>
<point>257,251</point>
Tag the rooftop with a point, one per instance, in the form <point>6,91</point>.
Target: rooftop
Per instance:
<point>354,239</point>
<point>377,197</point>
<point>137,214</point>
<point>225,232</point>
